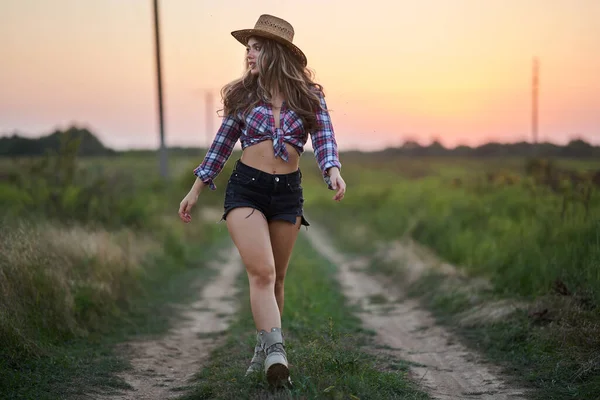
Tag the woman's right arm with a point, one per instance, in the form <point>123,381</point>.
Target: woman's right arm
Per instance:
<point>197,186</point>
<point>218,153</point>
<point>214,161</point>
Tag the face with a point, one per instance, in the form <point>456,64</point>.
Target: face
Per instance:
<point>253,48</point>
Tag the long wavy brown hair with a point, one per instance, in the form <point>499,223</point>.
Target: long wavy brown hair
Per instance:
<point>279,70</point>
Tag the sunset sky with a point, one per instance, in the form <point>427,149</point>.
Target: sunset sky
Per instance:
<point>455,70</point>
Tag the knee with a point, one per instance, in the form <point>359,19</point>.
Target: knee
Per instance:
<point>263,276</point>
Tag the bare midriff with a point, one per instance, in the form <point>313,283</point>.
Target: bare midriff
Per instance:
<point>262,157</point>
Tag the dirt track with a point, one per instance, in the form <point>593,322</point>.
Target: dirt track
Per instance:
<point>442,366</point>
<point>161,365</point>
<point>445,368</point>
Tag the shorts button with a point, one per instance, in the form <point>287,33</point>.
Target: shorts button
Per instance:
<point>276,179</point>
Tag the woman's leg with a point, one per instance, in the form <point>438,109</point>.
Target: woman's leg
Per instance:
<point>250,233</point>
<point>283,237</point>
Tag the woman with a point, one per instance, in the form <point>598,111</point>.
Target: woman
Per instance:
<point>271,109</point>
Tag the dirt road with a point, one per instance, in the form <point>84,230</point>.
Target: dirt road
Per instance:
<point>442,366</point>
<point>167,363</point>
<point>445,368</point>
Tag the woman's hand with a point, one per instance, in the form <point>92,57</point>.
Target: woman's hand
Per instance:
<point>189,201</point>
<point>337,183</point>
<point>185,207</point>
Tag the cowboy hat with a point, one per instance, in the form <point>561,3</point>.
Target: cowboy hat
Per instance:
<point>274,28</point>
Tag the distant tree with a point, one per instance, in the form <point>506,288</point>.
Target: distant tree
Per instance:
<point>89,144</point>
<point>579,148</point>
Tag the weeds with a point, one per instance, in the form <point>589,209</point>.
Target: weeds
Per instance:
<point>522,243</point>
<point>512,231</point>
<point>87,257</point>
<point>55,187</point>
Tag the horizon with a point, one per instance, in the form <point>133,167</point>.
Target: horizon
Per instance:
<point>457,73</point>
<point>308,149</point>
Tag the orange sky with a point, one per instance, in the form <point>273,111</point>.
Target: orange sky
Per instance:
<point>457,70</point>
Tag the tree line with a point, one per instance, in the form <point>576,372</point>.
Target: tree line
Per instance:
<point>89,145</point>
<point>576,148</point>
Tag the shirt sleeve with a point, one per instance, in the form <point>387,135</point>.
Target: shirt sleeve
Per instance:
<point>219,152</point>
<point>324,143</point>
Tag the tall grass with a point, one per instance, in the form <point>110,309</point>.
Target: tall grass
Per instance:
<point>57,187</point>
<point>523,238</point>
<point>61,282</point>
<point>536,238</point>
<point>88,249</point>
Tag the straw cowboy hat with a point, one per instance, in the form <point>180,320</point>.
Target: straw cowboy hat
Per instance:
<point>273,28</point>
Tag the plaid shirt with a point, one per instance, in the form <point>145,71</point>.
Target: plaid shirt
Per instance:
<point>259,126</point>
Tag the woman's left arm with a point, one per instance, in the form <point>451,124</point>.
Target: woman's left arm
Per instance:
<point>326,151</point>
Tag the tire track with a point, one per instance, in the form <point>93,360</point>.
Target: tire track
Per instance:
<point>445,368</point>
<point>162,366</point>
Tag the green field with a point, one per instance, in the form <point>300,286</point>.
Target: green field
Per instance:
<point>93,251</point>
<point>530,228</point>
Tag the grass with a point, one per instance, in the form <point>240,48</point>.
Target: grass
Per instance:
<point>59,342</point>
<point>550,346</point>
<point>513,233</point>
<point>91,253</point>
<point>324,342</point>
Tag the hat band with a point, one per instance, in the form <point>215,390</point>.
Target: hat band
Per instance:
<point>282,33</point>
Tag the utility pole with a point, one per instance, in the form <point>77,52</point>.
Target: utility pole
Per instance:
<point>163,150</point>
<point>534,104</point>
<point>209,118</point>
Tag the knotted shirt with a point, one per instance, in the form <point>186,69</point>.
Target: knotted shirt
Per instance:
<point>259,125</point>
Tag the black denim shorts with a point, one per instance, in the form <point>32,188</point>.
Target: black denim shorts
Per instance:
<point>276,196</point>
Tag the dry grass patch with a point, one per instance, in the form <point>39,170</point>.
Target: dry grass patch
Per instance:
<point>57,282</point>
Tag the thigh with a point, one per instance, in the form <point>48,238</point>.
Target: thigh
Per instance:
<point>283,236</point>
<point>250,233</point>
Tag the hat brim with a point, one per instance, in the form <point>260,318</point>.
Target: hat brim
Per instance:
<point>243,35</point>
